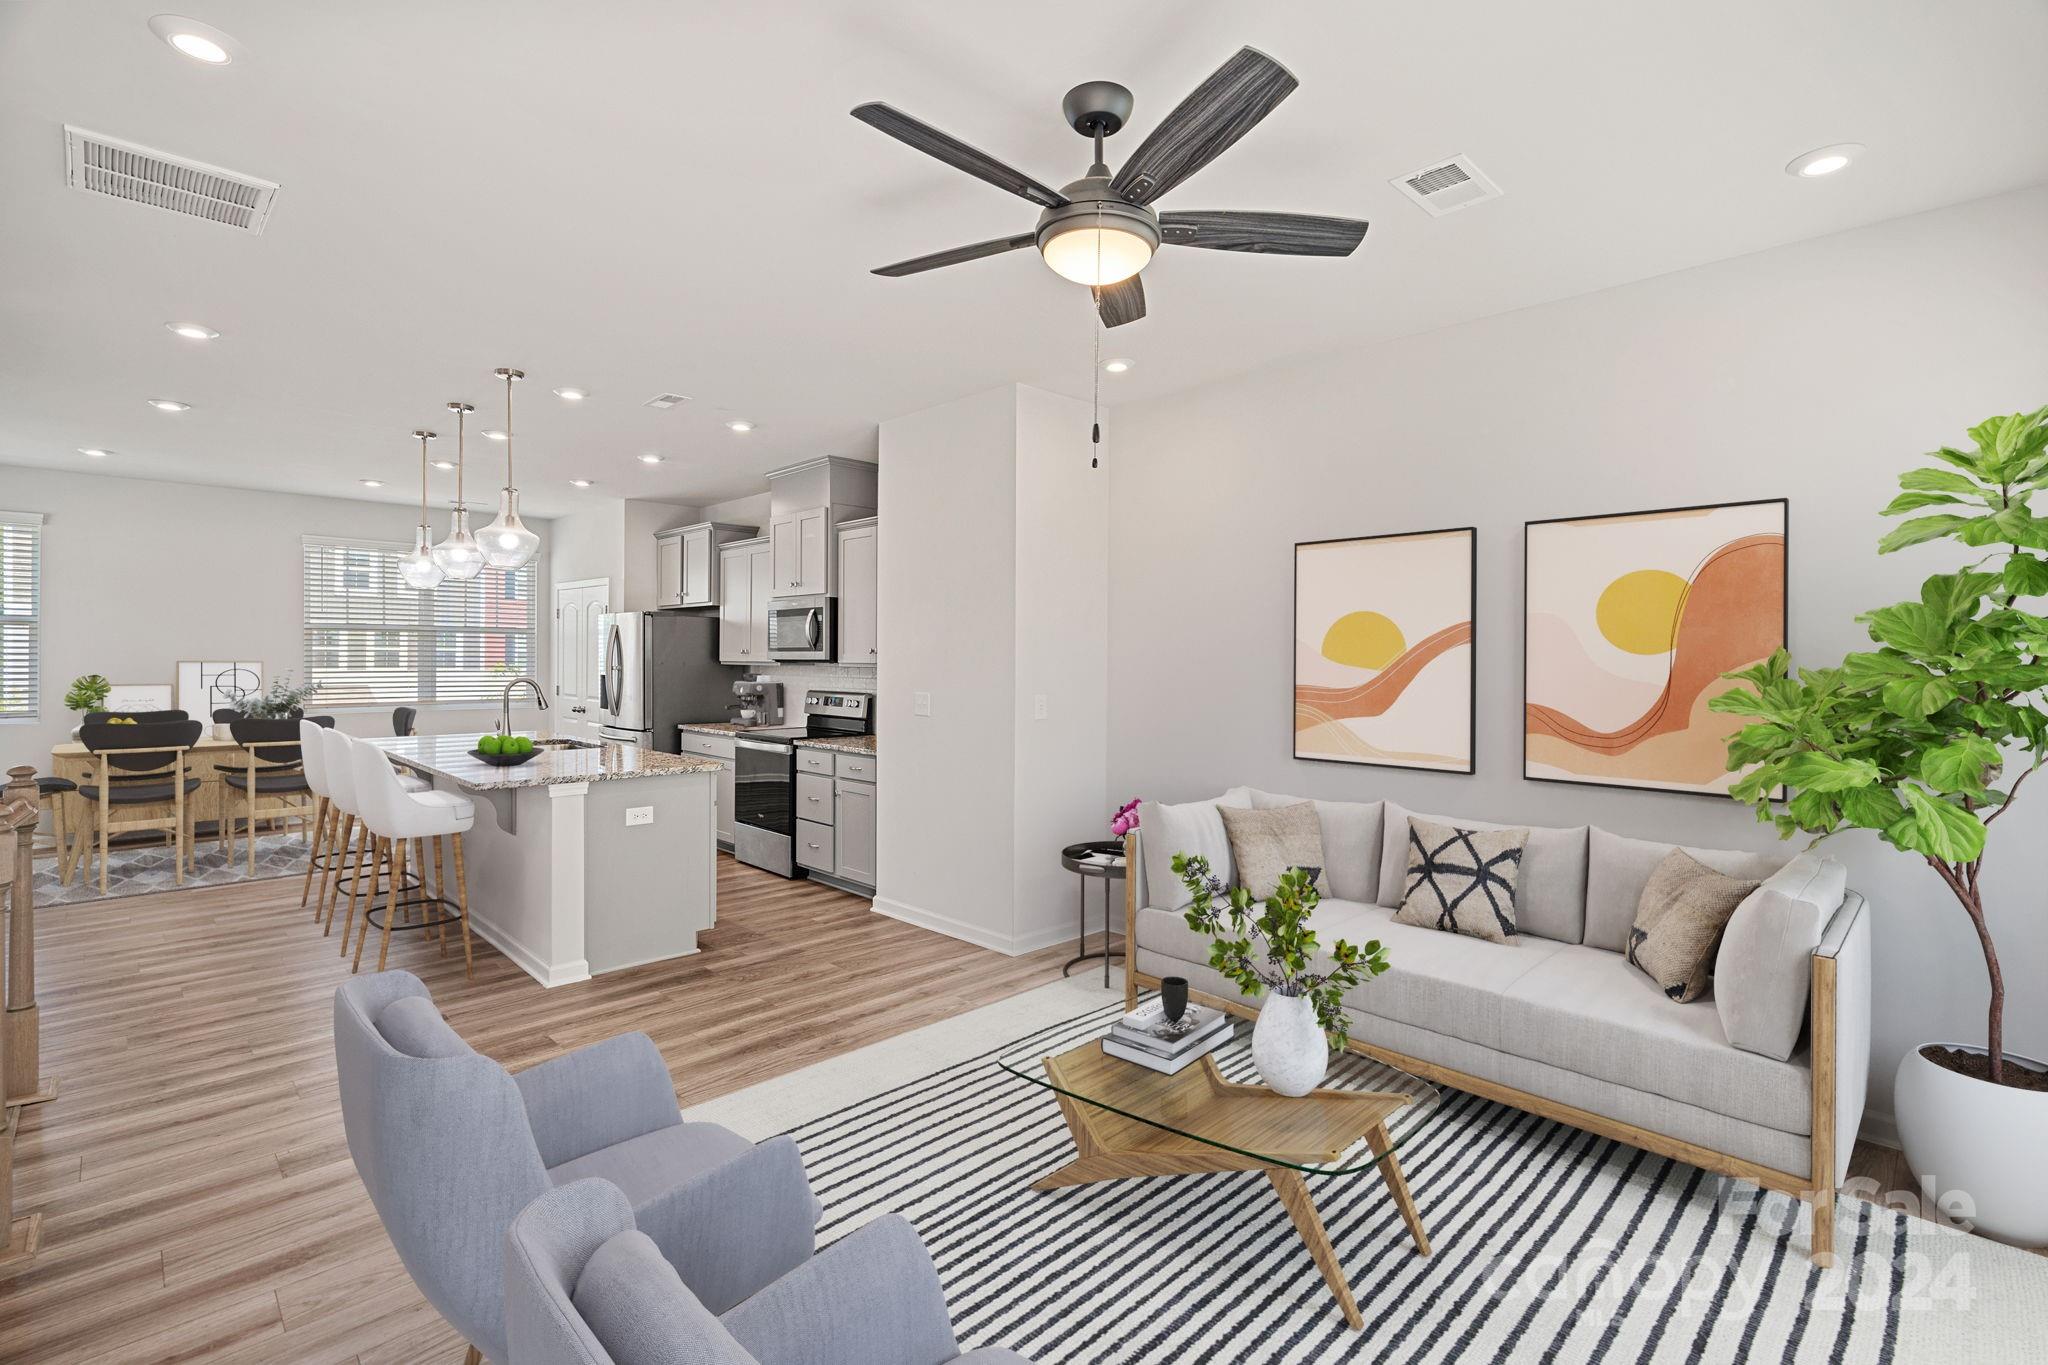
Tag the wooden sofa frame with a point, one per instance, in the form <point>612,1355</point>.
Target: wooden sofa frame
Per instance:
<point>1817,1190</point>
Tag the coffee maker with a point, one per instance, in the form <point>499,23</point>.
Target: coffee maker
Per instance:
<point>757,703</point>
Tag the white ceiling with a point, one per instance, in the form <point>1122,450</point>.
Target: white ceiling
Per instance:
<point>643,195</point>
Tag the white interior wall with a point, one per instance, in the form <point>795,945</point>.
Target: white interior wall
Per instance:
<point>1816,371</point>
<point>138,575</point>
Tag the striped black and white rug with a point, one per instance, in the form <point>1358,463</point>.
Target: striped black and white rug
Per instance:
<point>1550,1244</point>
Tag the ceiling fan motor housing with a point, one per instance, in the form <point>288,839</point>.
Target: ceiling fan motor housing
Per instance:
<point>1089,200</point>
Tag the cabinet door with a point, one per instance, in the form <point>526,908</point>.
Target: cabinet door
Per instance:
<point>854,833</point>
<point>859,594</point>
<point>760,596</point>
<point>813,536</point>
<point>785,539</point>
<point>668,571</point>
<point>696,569</point>
<point>727,794</point>
<point>735,623</point>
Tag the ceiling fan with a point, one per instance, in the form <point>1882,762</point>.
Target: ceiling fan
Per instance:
<point>1102,230</point>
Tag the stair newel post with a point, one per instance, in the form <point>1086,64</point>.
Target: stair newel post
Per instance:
<point>24,1079</point>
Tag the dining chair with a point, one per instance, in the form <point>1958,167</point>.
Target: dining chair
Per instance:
<point>402,720</point>
<point>139,717</point>
<point>270,778</point>
<point>139,770</point>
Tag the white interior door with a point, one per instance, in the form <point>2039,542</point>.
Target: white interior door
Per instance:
<point>577,647</point>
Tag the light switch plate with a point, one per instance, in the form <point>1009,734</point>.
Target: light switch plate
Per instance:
<point>639,815</point>
<point>920,703</point>
<point>1038,706</point>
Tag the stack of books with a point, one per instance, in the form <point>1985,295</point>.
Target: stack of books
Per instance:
<point>1144,1036</point>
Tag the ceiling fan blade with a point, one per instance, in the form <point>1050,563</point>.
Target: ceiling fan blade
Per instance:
<point>1215,114</point>
<point>958,254</point>
<point>956,153</point>
<point>1279,234</point>
<point>1121,302</point>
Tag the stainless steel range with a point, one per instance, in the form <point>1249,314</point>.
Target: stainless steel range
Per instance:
<point>764,804</point>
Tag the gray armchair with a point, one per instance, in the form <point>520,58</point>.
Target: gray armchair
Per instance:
<point>451,1147</point>
<point>583,1287</point>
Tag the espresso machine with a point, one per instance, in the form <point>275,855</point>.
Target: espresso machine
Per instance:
<point>756,704</point>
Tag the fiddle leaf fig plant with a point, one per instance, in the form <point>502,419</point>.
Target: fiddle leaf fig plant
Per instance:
<point>1927,738</point>
<point>1269,946</point>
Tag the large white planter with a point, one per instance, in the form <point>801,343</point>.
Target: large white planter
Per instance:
<point>1288,1046</point>
<point>1966,1136</point>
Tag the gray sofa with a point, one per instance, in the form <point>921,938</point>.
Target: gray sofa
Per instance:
<point>583,1287</point>
<point>451,1147</point>
<point>1557,1021</point>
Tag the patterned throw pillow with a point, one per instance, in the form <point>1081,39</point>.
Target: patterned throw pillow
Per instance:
<point>1266,843</point>
<point>1462,880</point>
<point>1679,920</point>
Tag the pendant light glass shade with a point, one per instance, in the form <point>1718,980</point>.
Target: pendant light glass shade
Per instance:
<point>508,543</point>
<point>418,569</point>
<point>459,556</point>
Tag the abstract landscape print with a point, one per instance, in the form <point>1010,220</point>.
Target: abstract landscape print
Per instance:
<point>1383,650</point>
<point>1630,622</point>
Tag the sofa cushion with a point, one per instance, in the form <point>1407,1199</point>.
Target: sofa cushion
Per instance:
<point>1587,1010</point>
<point>413,1026</point>
<point>1192,827</point>
<point>1764,969</point>
<point>655,1163</point>
<point>1679,920</point>
<point>1266,844</point>
<point>1351,844</point>
<point>640,1310</point>
<point>1550,894</point>
<point>1462,881</point>
<point>1618,868</point>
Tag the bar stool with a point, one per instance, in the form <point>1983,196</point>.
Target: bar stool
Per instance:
<point>392,815</point>
<point>349,847</point>
<point>326,815</point>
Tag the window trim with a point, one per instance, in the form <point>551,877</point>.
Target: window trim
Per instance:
<point>32,521</point>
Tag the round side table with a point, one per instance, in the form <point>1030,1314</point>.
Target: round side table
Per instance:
<point>1074,858</point>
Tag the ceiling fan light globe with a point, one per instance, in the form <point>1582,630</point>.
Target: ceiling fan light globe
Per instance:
<point>1090,255</point>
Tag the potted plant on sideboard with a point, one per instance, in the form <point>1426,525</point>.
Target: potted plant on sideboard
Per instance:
<point>88,692</point>
<point>1927,740</point>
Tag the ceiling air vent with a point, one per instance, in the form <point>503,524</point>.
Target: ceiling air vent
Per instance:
<point>667,400</point>
<point>125,170</point>
<point>1447,186</point>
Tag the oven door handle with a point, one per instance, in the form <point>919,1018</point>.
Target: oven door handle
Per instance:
<point>760,746</point>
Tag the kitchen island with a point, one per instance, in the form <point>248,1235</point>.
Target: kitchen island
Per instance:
<point>589,858</point>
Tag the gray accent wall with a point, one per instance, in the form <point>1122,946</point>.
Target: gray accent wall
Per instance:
<point>1815,371</point>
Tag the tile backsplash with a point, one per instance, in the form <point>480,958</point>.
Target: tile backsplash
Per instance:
<point>796,677</point>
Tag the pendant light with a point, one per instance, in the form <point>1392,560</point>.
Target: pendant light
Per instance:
<point>459,555</point>
<point>418,569</point>
<point>507,542</point>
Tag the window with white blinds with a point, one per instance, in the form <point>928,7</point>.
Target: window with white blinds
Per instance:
<point>21,610</point>
<point>371,640</point>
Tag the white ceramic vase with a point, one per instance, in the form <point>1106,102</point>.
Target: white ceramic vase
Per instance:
<point>1288,1046</point>
<point>1969,1137</point>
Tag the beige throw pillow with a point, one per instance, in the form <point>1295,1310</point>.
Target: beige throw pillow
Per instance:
<point>1684,908</point>
<point>1462,880</point>
<point>1265,843</point>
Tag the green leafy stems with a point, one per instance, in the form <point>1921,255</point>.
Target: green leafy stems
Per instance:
<point>87,692</point>
<point>1269,945</point>
<point>1916,739</point>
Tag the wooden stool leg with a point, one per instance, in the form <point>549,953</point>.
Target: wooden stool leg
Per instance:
<point>462,906</point>
<point>319,835</point>
<point>366,845</point>
<point>397,847</point>
<point>103,837</point>
<point>252,825</point>
<point>1397,1185</point>
<point>378,848</point>
<point>338,845</point>
<point>440,889</point>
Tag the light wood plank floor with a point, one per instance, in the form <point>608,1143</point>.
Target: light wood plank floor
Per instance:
<point>197,1195</point>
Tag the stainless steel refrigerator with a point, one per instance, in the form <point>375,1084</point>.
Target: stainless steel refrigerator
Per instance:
<point>660,670</point>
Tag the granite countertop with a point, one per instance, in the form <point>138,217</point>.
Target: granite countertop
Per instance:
<point>841,744</point>
<point>709,727</point>
<point>448,756</point>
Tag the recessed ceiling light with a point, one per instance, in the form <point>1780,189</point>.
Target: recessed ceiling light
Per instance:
<point>649,459</point>
<point>442,464</point>
<point>1117,366</point>
<point>203,43</point>
<point>169,405</point>
<point>494,435</point>
<point>1823,160</point>
<point>741,425</point>
<point>582,483</point>
<point>193,331</point>
<point>371,483</point>
<point>95,452</point>
<point>572,395</point>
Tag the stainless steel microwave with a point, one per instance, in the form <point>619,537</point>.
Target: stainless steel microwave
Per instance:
<point>801,628</point>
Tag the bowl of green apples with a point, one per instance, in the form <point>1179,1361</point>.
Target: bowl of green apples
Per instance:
<point>504,751</point>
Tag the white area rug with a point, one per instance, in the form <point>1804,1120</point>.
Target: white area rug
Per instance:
<point>1551,1244</point>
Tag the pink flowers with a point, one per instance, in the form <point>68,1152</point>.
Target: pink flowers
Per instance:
<point>1126,818</point>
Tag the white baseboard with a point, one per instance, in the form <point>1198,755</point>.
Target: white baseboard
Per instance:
<point>950,927</point>
<point>1881,1129</point>
<point>568,974</point>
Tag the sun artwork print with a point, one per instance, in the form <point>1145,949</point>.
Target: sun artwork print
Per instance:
<point>1383,650</point>
<point>1631,622</point>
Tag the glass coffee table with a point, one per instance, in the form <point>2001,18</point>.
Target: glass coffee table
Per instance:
<point>1130,1121</point>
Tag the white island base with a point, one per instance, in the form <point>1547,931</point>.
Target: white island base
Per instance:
<point>559,880</point>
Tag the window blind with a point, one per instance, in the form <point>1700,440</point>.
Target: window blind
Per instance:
<point>371,640</point>
<point>21,609</point>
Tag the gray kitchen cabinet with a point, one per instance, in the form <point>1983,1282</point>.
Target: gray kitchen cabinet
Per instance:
<point>746,581</point>
<point>859,593</point>
<point>814,846</point>
<point>853,832</point>
<point>799,541</point>
<point>814,798</point>
<point>668,569</point>
<point>689,563</point>
<point>718,747</point>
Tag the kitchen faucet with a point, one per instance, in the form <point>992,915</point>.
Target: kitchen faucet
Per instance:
<point>505,709</point>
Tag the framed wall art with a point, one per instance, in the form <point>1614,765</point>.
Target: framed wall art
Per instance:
<point>1383,649</point>
<point>1629,622</point>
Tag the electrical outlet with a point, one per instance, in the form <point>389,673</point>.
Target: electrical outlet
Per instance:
<point>639,815</point>
<point>920,703</point>
<point>1038,706</point>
